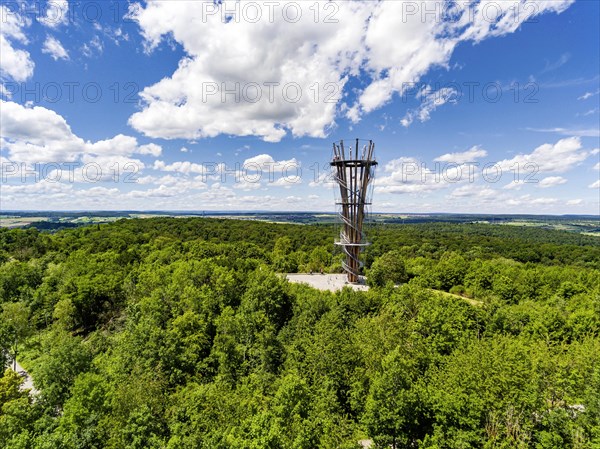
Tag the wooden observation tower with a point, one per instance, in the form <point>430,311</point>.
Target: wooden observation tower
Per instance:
<point>353,169</point>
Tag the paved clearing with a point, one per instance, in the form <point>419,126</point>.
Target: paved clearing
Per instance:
<point>331,282</point>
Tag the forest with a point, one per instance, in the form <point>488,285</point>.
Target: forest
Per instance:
<point>182,333</point>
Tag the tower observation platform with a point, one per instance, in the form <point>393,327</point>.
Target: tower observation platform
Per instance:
<point>353,166</point>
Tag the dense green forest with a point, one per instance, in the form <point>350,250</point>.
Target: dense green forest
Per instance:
<point>181,333</point>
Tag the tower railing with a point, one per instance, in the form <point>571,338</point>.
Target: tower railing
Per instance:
<point>353,170</point>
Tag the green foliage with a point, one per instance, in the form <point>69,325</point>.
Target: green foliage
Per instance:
<point>14,327</point>
<point>182,333</point>
<point>390,267</point>
<point>61,358</point>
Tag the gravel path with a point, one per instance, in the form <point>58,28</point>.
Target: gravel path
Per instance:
<point>28,384</point>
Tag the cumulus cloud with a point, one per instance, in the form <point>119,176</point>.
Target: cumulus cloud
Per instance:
<point>247,185</point>
<point>185,167</point>
<point>551,181</point>
<point>595,185</point>
<point>151,149</point>
<point>474,191</point>
<point>239,79</point>
<point>470,155</point>
<point>551,158</point>
<point>528,200</point>
<point>15,64</point>
<point>268,163</point>
<point>57,13</point>
<point>514,185</point>
<point>267,75</point>
<point>324,179</point>
<point>37,135</point>
<point>575,202</point>
<point>287,181</point>
<point>54,48</point>
<point>408,175</point>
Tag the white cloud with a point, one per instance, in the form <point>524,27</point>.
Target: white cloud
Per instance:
<point>544,201</point>
<point>57,13</point>
<point>287,181</point>
<point>94,46</point>
<point>514,185</point>
<point>261,160</point>
<point>528,200</point>
<point>408,175</point>
<point>15,63</point>
<point>587,95</point>
<point>429,41</point>
<point>181,167</point>
<point>54,48</point>
<point>388,41</point>
<point>37,135</point>
<point>470,155</point>
<point>551,181</point>
<point>169,187</point>
<point>595,185</point>
<point>150,149</point>
<point>475,191</point>
<point>304,54</point>
<point>553,158</point>
<point>430,101</point>
<point>562,60</point>
<point>575,202</point>
<point>161,191</point>
<point>13,24</point>
<point>248,185</point>
<point>578,132</point>
<point>266,162</point>
<point>597,166</point>
<point>5,92</point>
<point>166,180</point>
<point>322,180</point>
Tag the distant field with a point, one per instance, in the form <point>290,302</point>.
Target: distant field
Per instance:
<point>587,227</point>
<point>19,222</point>
<point>52,221</point>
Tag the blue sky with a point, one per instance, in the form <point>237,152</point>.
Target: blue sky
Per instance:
<point>488,107</point>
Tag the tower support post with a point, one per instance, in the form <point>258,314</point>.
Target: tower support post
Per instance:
<point>353,168</point>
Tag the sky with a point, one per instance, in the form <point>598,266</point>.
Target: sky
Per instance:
<point>473,106</point>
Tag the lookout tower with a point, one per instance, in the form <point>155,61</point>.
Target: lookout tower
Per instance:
<point>353,167</point>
